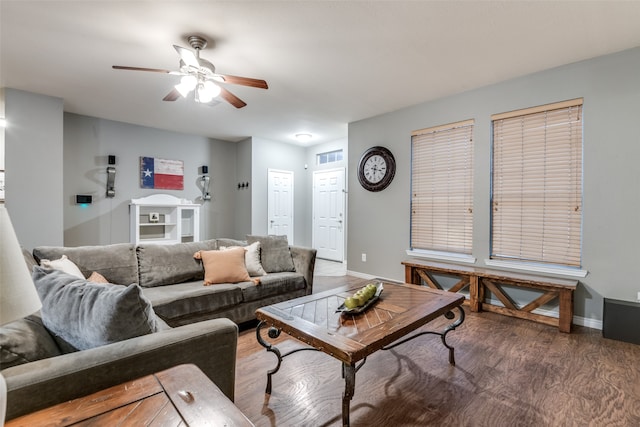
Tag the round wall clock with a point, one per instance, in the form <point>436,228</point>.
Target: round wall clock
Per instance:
<point>376,169</point>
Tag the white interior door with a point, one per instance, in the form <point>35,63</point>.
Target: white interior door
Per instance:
<point>280,203</point>
<point>328,213</point>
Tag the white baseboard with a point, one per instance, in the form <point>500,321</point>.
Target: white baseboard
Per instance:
<point>589,323</point>
<point>360,275</point>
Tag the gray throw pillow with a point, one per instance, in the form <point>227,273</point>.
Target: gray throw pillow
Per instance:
<point>274,253</point>
<point>25,340</point>
<point>87,314</point>
<point>160,265</point>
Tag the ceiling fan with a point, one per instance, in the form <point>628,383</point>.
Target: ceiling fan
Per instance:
<point>199,76</point>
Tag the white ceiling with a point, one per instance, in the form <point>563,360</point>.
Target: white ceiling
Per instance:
<point>327,63</point>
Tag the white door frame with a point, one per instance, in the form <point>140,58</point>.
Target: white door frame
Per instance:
<point>275,220</point>
<point>338,222</point>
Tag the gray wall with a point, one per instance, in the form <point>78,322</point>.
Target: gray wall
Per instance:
<point>243,196</point>
<point>33,162</point>
<point>610,86</point>
<point>52,156</point>
<point>265,155</point>
<point>89,140</point>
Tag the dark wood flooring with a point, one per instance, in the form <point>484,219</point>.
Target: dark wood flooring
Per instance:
<point>509,372</point>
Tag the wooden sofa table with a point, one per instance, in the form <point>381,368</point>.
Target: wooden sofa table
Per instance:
<point>180,396</point>
<point>350,338</point>
<point>479,280</point>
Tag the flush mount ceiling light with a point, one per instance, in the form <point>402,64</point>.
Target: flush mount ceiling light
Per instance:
<point>303,137</point>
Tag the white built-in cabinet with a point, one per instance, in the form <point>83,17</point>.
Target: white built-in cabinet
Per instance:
<point>164,219</point>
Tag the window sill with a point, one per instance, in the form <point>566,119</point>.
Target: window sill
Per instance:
<point>442,256</point>
<point>536,268</point>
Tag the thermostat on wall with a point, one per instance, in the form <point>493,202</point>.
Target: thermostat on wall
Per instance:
<point>83,199</point>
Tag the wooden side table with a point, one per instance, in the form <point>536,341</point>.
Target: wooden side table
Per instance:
<point>180,396</point>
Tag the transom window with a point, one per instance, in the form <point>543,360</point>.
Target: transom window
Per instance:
<point>329,157</point>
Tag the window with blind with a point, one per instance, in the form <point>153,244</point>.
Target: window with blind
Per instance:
<point>537,184</point>
<point>442,188</point>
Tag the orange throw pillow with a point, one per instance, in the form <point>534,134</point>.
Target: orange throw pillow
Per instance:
<point>97,278</point>
<point>223,266</point>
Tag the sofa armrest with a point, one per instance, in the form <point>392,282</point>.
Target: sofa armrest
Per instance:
<point>304,261</point>
<point>211,345</point>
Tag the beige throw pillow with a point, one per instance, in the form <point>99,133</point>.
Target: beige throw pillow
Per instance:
<point>223,266</point>
<point>63,264</point>
<point>251,258</point>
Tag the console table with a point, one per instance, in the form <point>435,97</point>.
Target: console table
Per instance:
<point>479,280</point>
<point>180,396</point>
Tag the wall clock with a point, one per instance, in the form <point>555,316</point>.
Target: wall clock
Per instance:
<point>376,169</point>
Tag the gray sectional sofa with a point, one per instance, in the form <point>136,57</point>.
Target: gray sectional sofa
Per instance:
<point>190,322</point>
<point>172,279</point>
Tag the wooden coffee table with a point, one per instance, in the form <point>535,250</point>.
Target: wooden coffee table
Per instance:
<point>401,309</point>
<point>180,396</point>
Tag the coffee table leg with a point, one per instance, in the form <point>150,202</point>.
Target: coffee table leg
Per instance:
<point>349,373</point>
<point>273,333</point>
<point>443,334</point>
<point>450,328</point>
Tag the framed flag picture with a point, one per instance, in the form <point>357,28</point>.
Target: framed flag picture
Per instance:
<point>161,173</point>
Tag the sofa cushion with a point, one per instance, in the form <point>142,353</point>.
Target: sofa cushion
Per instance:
<point>274,253</point>
<point>117,262</point>
<point>88,315</point>
<point>160,265</point>
<point>191,298</point>
<point>25,340</point>
<point>63,264</point>
<point>225,241</point>
<point>273,284</point>
<point>225,266</point>
<point>251,259</point>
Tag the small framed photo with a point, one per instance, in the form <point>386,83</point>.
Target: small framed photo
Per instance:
<point>154,217</point>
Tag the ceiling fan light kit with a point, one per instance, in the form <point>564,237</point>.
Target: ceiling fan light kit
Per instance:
<point>199,75</point>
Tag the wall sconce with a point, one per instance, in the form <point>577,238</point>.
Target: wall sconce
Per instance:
<point>111,177</point>
<point>243,185</point>
<point>204,182</point>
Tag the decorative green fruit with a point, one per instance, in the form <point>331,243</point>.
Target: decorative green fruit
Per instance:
<point>359,300</point>
<point>350,303</point>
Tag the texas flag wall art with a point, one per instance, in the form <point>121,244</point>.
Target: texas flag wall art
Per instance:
<point>161,173</point>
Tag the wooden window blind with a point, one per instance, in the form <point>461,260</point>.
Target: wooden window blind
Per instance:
<point>537,184</point>
<point>442,188</point>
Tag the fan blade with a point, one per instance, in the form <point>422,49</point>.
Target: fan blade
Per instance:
<point>172,96</point>
<point>153,70</point>
<point>187,56</point>
<point>231,98</point>
<point>244,81</point>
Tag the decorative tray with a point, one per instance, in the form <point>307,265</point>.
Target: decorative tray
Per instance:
<point>362,308</point>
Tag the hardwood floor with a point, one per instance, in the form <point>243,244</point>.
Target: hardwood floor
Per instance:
<point>509,372</point>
